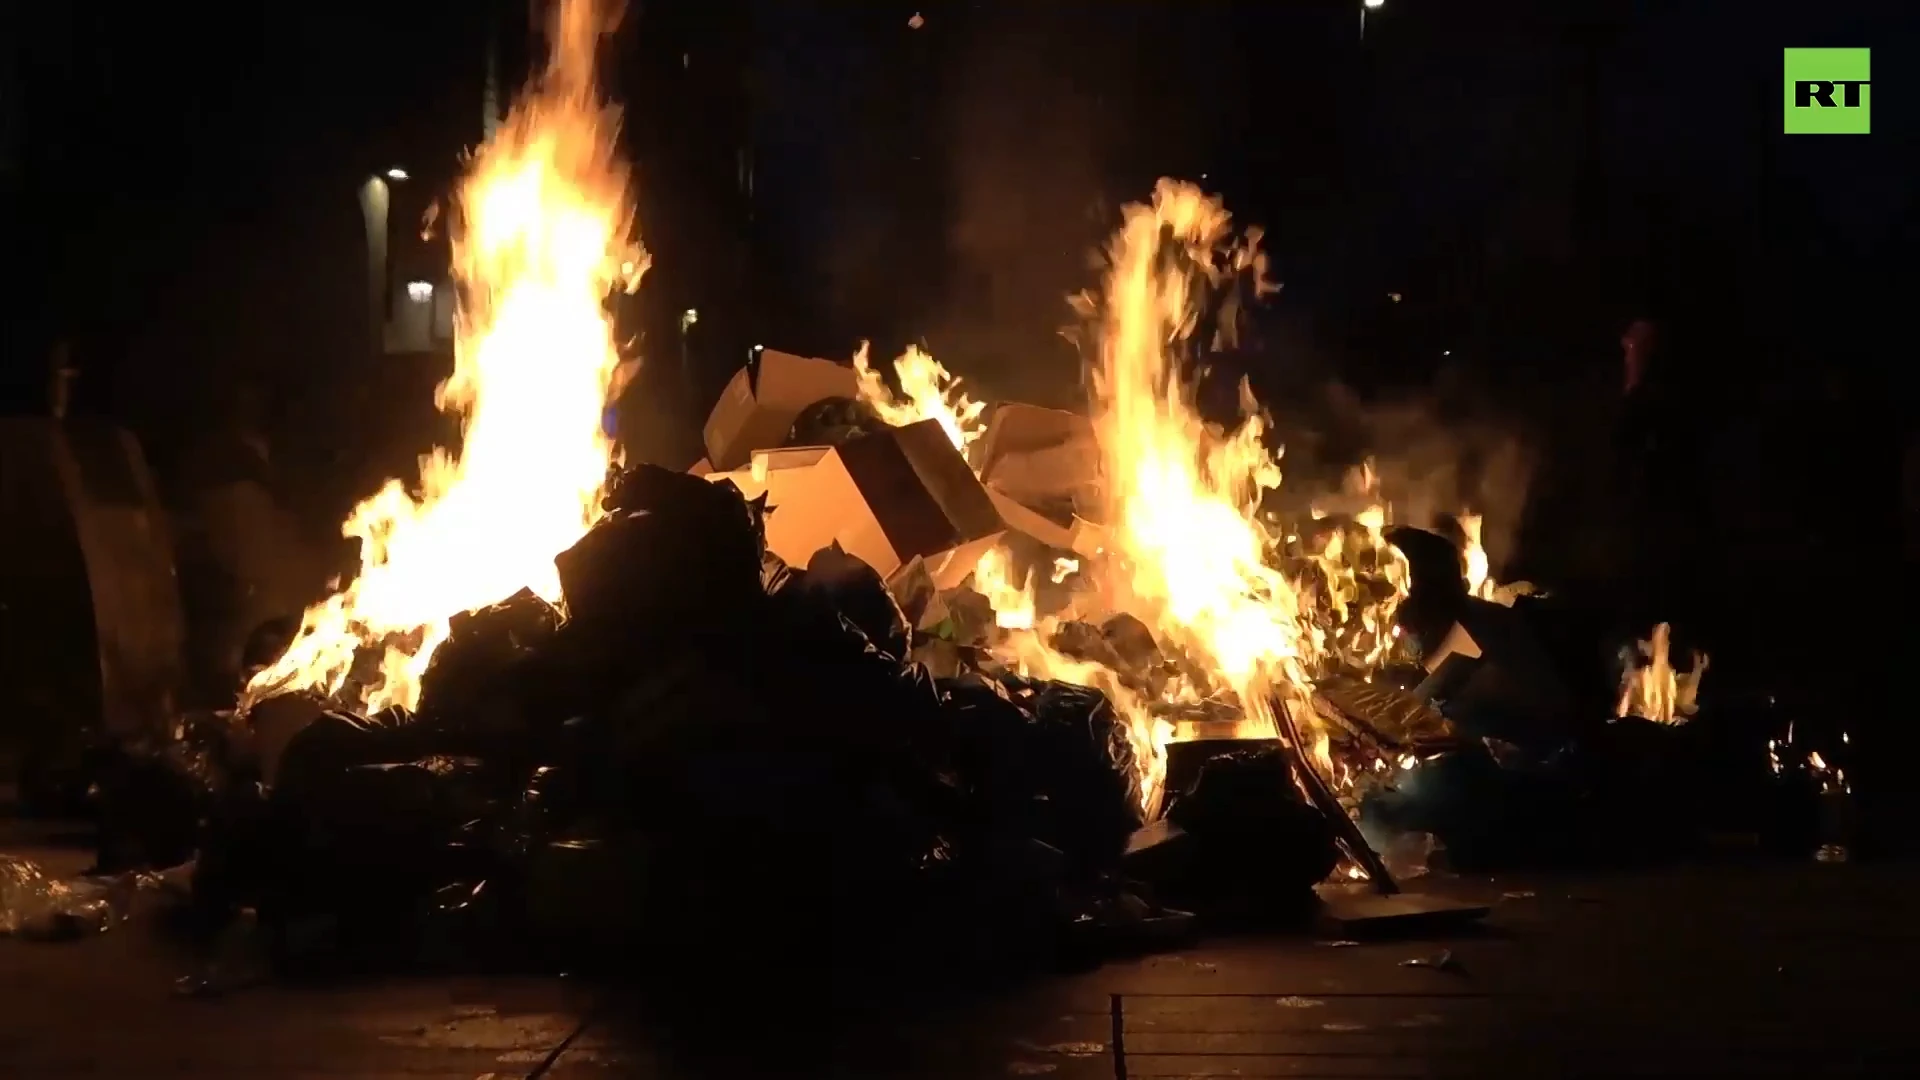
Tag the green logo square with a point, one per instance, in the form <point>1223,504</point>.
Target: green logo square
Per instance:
<point>1827,92</point>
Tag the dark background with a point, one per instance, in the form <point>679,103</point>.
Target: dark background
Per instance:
<point>179,192</point>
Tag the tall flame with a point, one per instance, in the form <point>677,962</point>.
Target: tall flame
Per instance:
<point>1651,689</point>
<point>1476,570</point>
<point>1013,603</point>
<point>1186,549</point>
<point>1192,557</point>
<point>543,237</point>
<point>1473,557</point>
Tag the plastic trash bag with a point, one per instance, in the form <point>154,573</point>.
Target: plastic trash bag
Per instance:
<point>37,906</point>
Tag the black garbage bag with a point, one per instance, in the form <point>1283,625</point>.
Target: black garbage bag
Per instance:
<point>775,575</point>
<point>482,647</point>
<point>677,557</point>
<point>1239,839</point>
<point>846,584</point>
<point>373,831</point>
<point>268,642</point>
<point>984,734</point>
<point>833,421</point>
<point>1077,761</point>
<point>1437,592</point>
<point>1640,790</point>
<point>643,575</point>
<point>152,794</point>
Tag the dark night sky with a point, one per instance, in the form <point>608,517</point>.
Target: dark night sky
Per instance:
<point>184,181</point>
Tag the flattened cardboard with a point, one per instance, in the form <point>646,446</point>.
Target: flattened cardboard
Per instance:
<point>1082,537</point>
<point>763,399</point>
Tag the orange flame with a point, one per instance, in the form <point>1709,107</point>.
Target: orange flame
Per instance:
<point>1651,689</point>
<point>543,238</point>
<point>1186,549</point>
<point>927,392</point>
<point>1191,554</point>
<point>1476,571</point>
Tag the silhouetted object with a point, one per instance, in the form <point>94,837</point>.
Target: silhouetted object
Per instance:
<point>483,646</point>
<point>91,615</point>
<point>1237,841</point>
<point>1648,480</point>
<point>242,562</point>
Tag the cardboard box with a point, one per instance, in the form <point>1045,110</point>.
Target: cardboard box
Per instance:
<point>885,498</point>
<point>1036,455</point>
<point>781,475</point>
<point>1080,536</point>
<point>763,399</point>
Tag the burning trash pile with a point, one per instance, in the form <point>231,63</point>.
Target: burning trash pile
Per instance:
<point>887,664</point>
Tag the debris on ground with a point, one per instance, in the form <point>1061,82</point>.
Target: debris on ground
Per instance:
<point>1440,961</point>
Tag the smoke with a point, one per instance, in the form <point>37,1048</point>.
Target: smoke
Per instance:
<point>1433,456</point>
<point>1028,140</point>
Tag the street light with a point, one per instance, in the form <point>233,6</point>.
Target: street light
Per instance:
<point>1366,6</point>
<point>687,320</point>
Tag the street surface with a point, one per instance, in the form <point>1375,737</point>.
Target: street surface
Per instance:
<point>1749,970</point>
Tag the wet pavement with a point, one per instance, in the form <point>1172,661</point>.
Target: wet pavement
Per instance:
<point>1752,970</point>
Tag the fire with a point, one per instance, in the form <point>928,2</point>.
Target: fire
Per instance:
<point>1187,550</point>
<point>1476,571</point>
<point>1013,605</point>
<point>1474,557</point>
<point>1191,554</point>
<point>927,392</point>
<point>543,238</point>
<point>1191,557</point>
<point>1651,689</point>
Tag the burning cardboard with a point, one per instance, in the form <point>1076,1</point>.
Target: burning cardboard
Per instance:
<point>764,398</point>
<point>1039,455</point>
<point>1076,534</point>
<point>886,499</point>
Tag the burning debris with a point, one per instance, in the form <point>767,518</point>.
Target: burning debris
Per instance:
<point>543,237</point>
<point>1474,568</point>
<point>1650,687</point>
<point>888,659</point>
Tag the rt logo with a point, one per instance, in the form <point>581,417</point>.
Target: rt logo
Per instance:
<point>1827,92</point>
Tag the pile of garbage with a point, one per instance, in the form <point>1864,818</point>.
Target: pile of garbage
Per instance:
<point>772,714</point>
<point>712,747</point>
